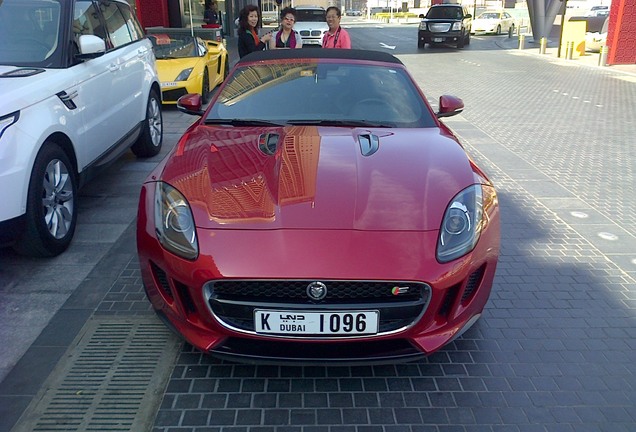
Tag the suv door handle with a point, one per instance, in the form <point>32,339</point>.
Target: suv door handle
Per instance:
<point>113,67</point>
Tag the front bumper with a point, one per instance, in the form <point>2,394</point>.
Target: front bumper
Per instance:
<point>438,37</point>
<point>179,289</point>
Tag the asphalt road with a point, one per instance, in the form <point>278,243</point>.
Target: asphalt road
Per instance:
<point>555,348</point>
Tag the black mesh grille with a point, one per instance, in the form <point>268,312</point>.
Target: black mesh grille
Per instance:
<point>162,279</point>
<point>173,95</point>
<point>296,291</point>
<point>473,282</point>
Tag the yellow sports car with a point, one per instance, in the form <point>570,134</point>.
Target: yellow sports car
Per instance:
<point>188,64</point>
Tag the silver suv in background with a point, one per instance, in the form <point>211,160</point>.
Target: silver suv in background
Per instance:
<point>311,23</point>
<point>79,87</point>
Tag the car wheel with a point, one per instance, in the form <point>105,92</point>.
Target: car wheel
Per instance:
<point>51,214</point>
<point>205,87</point>
<point>421,43</point>
<point>460,41</point>
<point>467,39</point>
<point>149,142</point>
<point>498,30</point>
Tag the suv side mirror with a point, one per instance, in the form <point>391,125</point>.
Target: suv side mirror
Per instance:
<point>421,16</point>
<point>468,16</point>
<point>90,46</point>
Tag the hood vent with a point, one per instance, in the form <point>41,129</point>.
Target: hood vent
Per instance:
<point>369,144</point>
<point>268,143</point>
<point>21,73</point>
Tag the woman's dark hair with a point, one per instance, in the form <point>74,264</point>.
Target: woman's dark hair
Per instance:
<point>244,13</point>
<point>287,10</point>
<point>334,8</point>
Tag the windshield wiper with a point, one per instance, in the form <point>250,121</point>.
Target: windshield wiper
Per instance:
<point>244,122</point>
<point>344,123</point>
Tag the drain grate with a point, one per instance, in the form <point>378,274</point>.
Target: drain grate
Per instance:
<point>111,379</point>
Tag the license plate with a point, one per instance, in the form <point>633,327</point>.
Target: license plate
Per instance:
<point>168,84</point>
<point>438,40</point>
<point>316,323</point>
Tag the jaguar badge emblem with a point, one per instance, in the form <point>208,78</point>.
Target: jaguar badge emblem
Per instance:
<point>316,291</point>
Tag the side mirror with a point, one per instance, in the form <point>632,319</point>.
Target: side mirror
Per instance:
<point>468,16</point>
<point>449,106</point>
<point>421,16</point>
<point>190,104</point>
<point>90,46</point>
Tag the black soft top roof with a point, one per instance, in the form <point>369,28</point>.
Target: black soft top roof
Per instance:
<point>319,53</point>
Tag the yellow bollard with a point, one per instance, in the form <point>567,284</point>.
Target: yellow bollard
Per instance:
<point>544,43</point>
<point>522,42</point>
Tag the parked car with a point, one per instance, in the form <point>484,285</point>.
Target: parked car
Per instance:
<point>311,23</point>
<point>598,10</point>
<point>493,22</point>
<point>79,87</point>
<point>445,23</point>
<point>353,12</point>
<point>188,64</point>
<point>595,40</point>
<point>352,228</point>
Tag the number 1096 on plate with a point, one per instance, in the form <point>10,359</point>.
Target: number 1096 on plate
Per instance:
<point>316,323</point>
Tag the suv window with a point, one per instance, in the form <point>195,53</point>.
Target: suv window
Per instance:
<point>445,12</point>
<point>116,24</point>
<point>86,21</point>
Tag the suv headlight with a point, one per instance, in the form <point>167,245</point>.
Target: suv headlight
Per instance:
<point>7,121</point>
<point>457,25</point>
<point>462,224</point>
<point>422,25</point>
<point>174,224</point>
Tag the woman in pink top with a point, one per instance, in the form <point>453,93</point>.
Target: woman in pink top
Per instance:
<point>336,37</point>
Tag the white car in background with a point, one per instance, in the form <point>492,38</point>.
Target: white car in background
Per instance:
<point>311,23</point>
<point>595,40</point>
<point>79,88</point>
<point>496,22</point>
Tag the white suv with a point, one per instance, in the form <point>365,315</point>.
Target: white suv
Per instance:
<point>79,87</point>
<point>311,23</point>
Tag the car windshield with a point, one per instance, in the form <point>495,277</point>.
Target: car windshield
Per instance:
<point>325,92</point>
<point>312,15</point>
<point>444,13</point>
<point>29,31</point>
<point>489,15</point>
<point>176,46</point>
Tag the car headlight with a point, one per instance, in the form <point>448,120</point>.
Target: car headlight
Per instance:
<point>184,75</point>
<point>7,121</point>
<point>422,26</point>
<point>462,224</point>
<point>457,25</point>
<point>174,224</point>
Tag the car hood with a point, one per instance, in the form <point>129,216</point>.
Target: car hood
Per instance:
<point>318,177</point>
<point>169,69</point>
<point>486,21</point>
<point>32,86</point>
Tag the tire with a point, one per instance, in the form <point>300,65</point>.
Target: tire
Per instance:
<point>205,88</point>
<point>498,32</point>
<point>51,213</point>
<point>467,39</point>
<point>421,44</point>
<point>460,41</point>
<point>149,142</point>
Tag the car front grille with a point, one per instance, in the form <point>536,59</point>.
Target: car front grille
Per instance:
<point>173,95</point>
<point>400,303</point>
<point>439,27</point>
<point>312,33</point>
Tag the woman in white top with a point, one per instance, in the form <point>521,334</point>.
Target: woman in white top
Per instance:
<point>286,37</point>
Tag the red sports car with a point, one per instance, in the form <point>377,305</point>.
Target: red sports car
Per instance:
<point>318,212</point>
